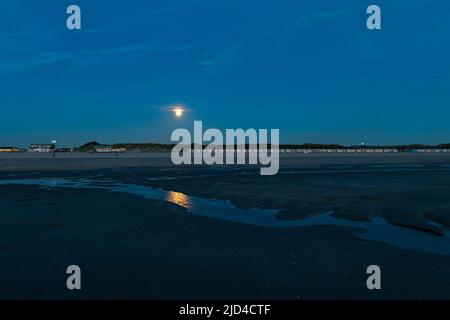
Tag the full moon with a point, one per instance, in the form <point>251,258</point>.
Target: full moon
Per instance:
<point>178,112</point>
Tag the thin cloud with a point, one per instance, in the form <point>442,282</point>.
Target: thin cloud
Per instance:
<point>20,59</point>
<point>227,55</point>
<point>305,21</point>
<point>27,61</point>
<point>174,7</point>
<point>222,55</point>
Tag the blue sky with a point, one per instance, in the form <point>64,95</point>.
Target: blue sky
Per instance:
<point>310,68</point>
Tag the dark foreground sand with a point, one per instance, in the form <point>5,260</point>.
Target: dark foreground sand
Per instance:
<point>130,247</point>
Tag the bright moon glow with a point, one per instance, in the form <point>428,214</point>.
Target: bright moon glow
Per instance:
<point>178,112</point>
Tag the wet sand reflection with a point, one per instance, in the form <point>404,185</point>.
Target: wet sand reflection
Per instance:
<point>180,199</point>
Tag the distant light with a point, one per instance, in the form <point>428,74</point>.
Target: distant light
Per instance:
<point>178,112</point>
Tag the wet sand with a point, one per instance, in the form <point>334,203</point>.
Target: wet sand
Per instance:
<point>132,247</point>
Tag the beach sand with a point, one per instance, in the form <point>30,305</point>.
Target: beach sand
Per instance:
<point>132,247</point>
<point>65,161</point>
